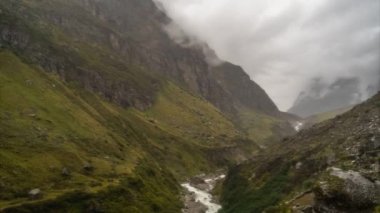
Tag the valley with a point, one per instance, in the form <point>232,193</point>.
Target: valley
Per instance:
<point>101,110</point>
<point>90,121</point>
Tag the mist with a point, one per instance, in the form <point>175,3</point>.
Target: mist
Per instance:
<point>284,45</point>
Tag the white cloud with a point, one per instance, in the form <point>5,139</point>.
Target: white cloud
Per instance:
<point>283,44</point>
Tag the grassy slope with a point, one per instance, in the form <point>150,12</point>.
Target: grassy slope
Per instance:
<point>47,126</point>
<point>273,178</point>
<point>148,189</point>
<point>39,116</point>
<point>175,110</point>
<point>241,194</point>
<point>259,126</point>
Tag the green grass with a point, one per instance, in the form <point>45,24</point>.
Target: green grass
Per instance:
<point>259,126</point>
<point>43,130</point>
<point>241,194</point>
<point>149,189</point>
<point>45,127</point>
<point>191,117</point>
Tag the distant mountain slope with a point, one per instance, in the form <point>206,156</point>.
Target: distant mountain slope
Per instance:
<point>331,167</point>
<point>322,98</point>
<point>314,119</point>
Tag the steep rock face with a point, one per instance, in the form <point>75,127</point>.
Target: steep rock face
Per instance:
<point>185,65</point>
<point>132,33</point>
<point>242,90</point>
<point>35,34</point>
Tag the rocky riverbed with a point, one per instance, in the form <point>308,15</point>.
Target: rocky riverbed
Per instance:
<point>198,197</point>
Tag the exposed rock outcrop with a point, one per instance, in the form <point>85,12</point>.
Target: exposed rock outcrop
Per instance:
<point>346,190</point>
<point>35,194</point>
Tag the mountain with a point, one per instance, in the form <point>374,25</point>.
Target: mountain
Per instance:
<point>101,110</point>
<point>314,119</point>
<point>119,50</point>
<point>330,167</point>
<point>321,97</point>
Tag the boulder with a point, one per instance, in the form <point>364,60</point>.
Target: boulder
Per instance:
<point>199,183</point>
<point>35,194</point>
<point>197,180</point>
<point>88,167</point>
<point>298,165</point>
<point>347,189</point>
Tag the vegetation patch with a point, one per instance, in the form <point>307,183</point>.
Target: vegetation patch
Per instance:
<point>242,195</point>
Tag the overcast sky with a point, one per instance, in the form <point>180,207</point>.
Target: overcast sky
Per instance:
<point>283,44</point>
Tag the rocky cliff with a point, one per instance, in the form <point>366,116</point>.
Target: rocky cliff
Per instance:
<point>127,37</point>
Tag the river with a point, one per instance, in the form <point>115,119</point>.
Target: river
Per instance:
<point>198,197</point>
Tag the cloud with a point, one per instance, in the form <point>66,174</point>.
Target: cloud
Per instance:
<point>285,44</point>
<point>181,37</point>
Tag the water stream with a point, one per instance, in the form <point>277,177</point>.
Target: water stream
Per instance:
<point>298,126</point>
<point>200,197</point>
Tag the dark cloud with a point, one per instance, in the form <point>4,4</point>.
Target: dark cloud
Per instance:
<point>285,44</point>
